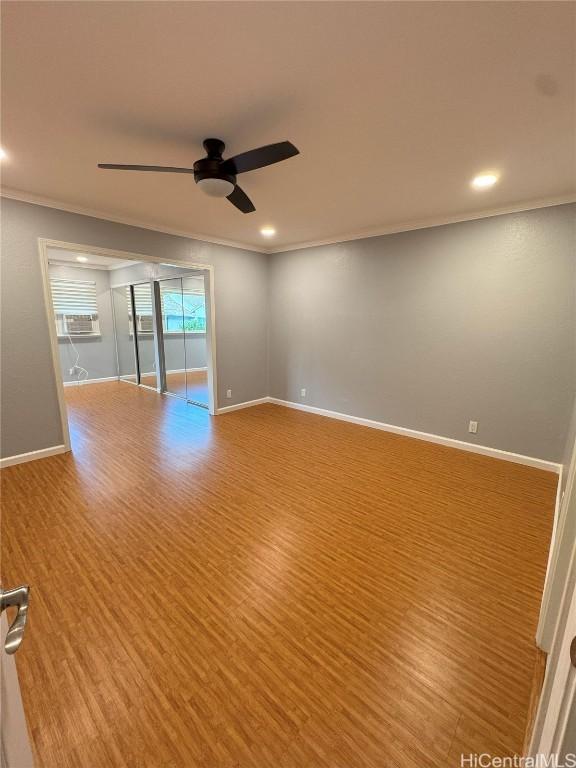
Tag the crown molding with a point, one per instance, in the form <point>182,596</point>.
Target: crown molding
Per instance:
<point>26,197</point>
<point>77,265</point>
<point>438,221</point>
<point>97,267</point>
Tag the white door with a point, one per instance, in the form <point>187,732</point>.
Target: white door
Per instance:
<point>562,696</point>
<point>15,750</point>
<point>555,720</point>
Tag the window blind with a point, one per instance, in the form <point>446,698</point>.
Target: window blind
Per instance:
<point>142,299</point>
<point>73,297</point>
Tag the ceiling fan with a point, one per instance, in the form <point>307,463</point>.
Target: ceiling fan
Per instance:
<point>216,176</point>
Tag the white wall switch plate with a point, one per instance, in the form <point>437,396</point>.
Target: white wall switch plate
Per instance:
<point>473,427</point>
<point>228,393</point>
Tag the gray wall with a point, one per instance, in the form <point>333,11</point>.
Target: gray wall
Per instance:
<point>30,418</point>
<point>97,354</point>
<point>431,328</point>
<point>425,329</point>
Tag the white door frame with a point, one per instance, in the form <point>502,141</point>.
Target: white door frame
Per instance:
<point>15,747</point>
<point>207,269</point>
<point>559,689</point>
<point>556,569</point>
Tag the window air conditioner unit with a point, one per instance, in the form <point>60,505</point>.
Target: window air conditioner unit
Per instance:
<point>79,325</point>
<point>145,323</point>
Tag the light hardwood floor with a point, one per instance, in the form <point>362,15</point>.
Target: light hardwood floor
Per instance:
<point>270,589</point>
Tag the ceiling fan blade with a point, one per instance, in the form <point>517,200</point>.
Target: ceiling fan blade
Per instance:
<point>259,158</point>
<point>157,168</point>
<point>240,199</point>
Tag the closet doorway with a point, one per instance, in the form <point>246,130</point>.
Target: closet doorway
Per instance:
<point>104,315</point>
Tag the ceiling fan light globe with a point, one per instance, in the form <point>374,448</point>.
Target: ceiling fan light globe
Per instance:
<point>216,187</point>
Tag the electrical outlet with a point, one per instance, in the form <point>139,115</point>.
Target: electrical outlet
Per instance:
<point>228,393</point>
<point>473,427</point>
<point>303,392</point>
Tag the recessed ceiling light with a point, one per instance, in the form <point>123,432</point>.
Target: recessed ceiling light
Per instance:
<point>484,180</point>
<point>268,231</point>
<point>81,258</point>
<point>2,154</point>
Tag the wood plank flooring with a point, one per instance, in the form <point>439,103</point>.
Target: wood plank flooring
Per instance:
<point>270,589</point>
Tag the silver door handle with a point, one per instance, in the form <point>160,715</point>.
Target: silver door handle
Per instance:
<point>18,598</point>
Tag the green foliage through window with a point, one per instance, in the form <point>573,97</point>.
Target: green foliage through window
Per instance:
<point>183,312</point>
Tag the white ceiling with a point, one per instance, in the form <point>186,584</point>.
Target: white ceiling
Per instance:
<point>394,107</point>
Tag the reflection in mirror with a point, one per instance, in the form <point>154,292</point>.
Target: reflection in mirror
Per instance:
<point>194,311</point>
<point>145,334</point>
<point>173,335</point>
<point>123,329</point>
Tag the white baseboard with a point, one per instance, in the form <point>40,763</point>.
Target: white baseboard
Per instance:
<point>450,442</point>
<point>484,450</point>
<point>10,461</point>
<point>118,378</point>
<point>187,370</point>
<point>90,381</point>
<point>247,404</point>
<point>174,370</point>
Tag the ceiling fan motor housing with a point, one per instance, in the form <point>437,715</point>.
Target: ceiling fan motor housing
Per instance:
<point>209,170</point>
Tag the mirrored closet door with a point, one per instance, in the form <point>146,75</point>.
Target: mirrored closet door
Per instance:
<point>173,335</point>
<point>161,336</point>
<point>144,334</point>
<point>122,307</point>
<point>184,337</point>
<point>194,302</point>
